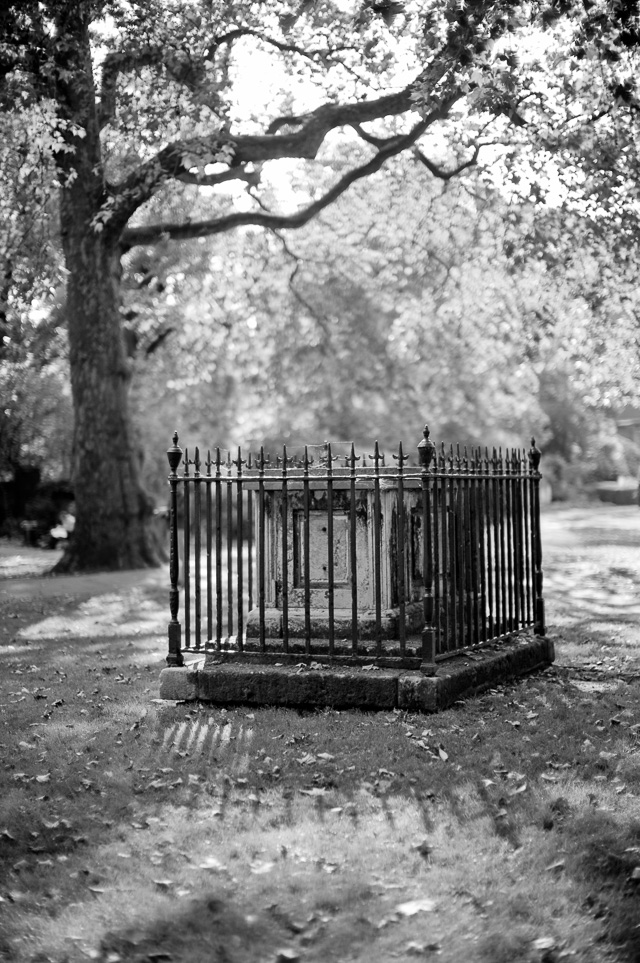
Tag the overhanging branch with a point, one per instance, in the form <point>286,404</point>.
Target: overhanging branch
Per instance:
<point>304,143</point>
<point>184,231</point>
<point>443,174</point>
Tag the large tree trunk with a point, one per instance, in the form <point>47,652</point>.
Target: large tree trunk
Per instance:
<point>112,510</point>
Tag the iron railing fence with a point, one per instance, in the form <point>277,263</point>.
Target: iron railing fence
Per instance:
<point>313,555</point>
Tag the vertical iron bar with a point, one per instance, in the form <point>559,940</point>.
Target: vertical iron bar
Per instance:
<point>187,550</point>
<point>523,539</point>
<point>401,562</point>
<point>250,545</point>
<point>482,522</point>
<point>446,561</point>
<point>496,544</point>
<point>229,501</point>
<point>330,549</point>
<point>427,451</point>
<point>197,547</point>
<point>517,543</point>
<point>239,544</point>
<point>261,548</point>
<point>474,549</point>
<point>489,525</point>
<point>467,549</point>
<point>285,552</point>
<point>306,553</point>
<point>503,560</point>
<point>209,551</point>
<point>218,500</point>
<point>460,553</point>
<point>539,625</point>
<point>527,536</point>
<point>376,549</point>
<point>452,642</point>
<point>509,520</point>
<point>174,655</point>
<point>436,529</point>
<point>353,562</point>
<point>503,566</point>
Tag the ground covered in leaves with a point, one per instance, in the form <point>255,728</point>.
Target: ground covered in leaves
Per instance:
<point>506,829</point>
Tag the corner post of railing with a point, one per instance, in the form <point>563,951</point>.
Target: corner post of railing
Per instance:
<point>534,460</point>
<point>174,656</point>
<point>426,452</point>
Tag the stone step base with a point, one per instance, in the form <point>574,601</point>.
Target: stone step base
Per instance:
<point>358,687</point>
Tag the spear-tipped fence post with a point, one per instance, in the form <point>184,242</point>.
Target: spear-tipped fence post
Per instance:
<point>174,656</point>
<point>535,454</point>
<point>426,452</point>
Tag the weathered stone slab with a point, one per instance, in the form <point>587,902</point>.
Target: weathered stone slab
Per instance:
<point>288,685</point>
<point>356,687</point>
<point>180,684</point>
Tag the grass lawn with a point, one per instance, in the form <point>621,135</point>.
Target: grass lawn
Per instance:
<point>505,829</point>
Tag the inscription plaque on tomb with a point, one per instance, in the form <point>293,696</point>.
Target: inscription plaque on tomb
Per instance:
<point>319,550</point>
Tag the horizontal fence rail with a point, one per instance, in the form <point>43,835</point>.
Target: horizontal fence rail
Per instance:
<point>322,554</point>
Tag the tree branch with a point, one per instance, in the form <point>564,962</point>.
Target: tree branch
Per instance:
<point>281,45</point>
<point>439,172</point>
<point>378,142</point>
<point>174,160</point>
<point>212,180</point>
<point>153,233</point>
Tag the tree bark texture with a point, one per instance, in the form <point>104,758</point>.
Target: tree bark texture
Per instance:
<point>112,510</point>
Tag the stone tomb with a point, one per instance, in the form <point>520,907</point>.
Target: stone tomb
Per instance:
<point>290,523</point>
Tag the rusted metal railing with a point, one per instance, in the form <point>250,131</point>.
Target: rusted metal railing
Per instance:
<point>331,556</point>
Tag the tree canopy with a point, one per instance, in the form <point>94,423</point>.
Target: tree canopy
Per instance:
<point>136,125</point>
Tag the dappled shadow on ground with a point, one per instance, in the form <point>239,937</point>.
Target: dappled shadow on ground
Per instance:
<point>203,834</point>
<point>25,561</point>
<point>591,563</point>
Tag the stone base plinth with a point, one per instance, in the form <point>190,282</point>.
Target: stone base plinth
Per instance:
<point>356,687</point>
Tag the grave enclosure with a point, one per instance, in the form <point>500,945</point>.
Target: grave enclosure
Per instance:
<point>325,562</point>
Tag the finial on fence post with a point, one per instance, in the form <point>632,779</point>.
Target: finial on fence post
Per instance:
<point>174,454</point>
<point>426,449</point>
<point>534,455</point>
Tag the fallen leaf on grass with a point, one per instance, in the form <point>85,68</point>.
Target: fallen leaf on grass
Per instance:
<point>544,943</point>
<point>307,760</point>
<point>418,949</point>
<point>415,906</point>
<point>316,791</point>
<point>213,865</point>
<point>261,868</point>
<point>163,883</point>
<point>554,867</point>
<point>518,789</point>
